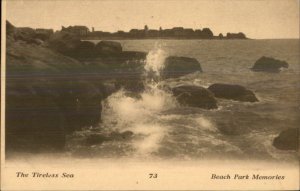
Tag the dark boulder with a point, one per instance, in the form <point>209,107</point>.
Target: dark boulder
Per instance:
<point>109,47</point>
<point>64,43</point>
<point>287,139</point>
<point>133,84</point>
<point>25,34</point>
<point>266,64</point>
<point>80,102</point>
<point>133,55</point>
<point>179,66</point>
<point>233,92</point>
<point>70,45</point>
<point>127,62</point>
<point>85,49</point>
<point>195,96</point>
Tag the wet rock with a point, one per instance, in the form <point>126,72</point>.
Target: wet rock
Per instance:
<point>233,92</point>
<point>81,104</point>
<point>95,139</point>
<point>287,139</point>
<point>64,43</point>
<point>121,136</point>
<point>70,45</point>
<point>134,84</point>
<point>195,96</point>
<point>109,88</point>
<point>133,55</point>
<point>109,47</point>
<point>267,64</point>
<point>85,49</point>
<point>133,95</point>
<point>179,66</point>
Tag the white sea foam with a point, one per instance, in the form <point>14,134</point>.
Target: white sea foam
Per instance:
<point>204,123</point>
<point>141,115</point>
<point>155,60</point>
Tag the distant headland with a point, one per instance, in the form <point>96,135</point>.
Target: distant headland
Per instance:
<point>146,33</point>
<point>84,33</point>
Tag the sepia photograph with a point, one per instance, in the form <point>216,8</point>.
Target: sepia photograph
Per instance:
<point>150,95</point>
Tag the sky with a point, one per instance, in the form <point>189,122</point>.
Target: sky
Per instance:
<point>258,19</point>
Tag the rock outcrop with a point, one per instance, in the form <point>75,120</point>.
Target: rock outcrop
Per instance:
<point>287,139</point>
<point>47,95</point>
<point>109,47</point>
<point>71,45</point>
<point>64,43</point>
<point>195,96</point>
<point>267,64</point>
<point>179,66</point>
<point>106,57</point>
<point>25,34</point>
<point>233,92</point>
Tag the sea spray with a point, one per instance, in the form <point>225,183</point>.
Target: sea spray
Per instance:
<point>140,114</point>
<point>161,128</point>
<point>154,63</point>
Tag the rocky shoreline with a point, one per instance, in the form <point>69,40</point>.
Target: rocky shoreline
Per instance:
<point>55,85</point>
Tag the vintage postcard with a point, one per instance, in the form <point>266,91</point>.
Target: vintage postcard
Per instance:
<point>150,95</point>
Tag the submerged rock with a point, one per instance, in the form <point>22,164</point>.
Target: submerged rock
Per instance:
<point>195,96</point>
<point>287,139</point>
<point>233,92</point>
<point>267,64</point>
<point>178,66</point>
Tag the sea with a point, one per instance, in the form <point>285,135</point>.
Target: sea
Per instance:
<point>164,129</point>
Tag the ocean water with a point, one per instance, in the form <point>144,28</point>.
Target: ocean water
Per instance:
<point>163,129</point>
